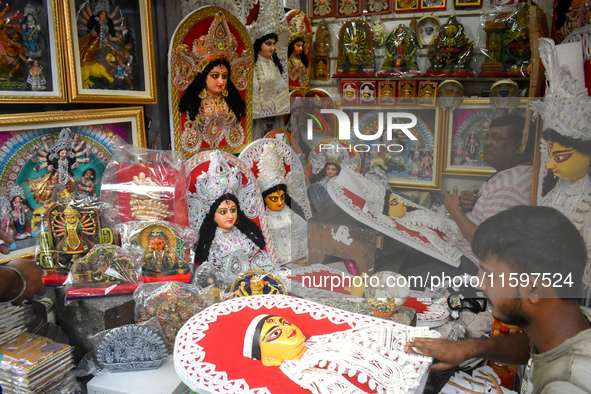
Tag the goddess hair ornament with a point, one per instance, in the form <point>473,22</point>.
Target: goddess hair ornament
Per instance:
<point>252,344</point>
<point>566,107</point>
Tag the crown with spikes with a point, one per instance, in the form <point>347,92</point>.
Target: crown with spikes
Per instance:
<point>271,168</point>
<point>15,191</point>
<point>339,154</point>
<point>100,6</point>
<point>147,205</point>
<point>219,179</point>
<point>566,107</point>
<point>218,43</point>
<point>271,19</point>
<point>64,141</point>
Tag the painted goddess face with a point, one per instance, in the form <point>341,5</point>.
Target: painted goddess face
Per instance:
<point>216,80</point>
<point>280,340</point>
<point>298,48</point>
<point>331,171</point>
<point>275,201</point>
<point>226,215</point>
<point>157,243</point>
<point>397,208</point>
<point>567,163</point>
<point>267,48</point>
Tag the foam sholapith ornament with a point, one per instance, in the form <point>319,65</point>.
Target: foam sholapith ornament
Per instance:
<point>226,207</point>
<point>281,179</point>
<point>341,354</point>
<point>210,65</point>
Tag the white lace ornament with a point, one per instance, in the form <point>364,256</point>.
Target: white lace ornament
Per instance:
<point>573,200</point>
<point>233,253</point>
<point>566,107</point>
<point>190,357</point>
<point>374,355</point>
<point>270,95</point>
<point>422,220</point>
<point>290,234</point>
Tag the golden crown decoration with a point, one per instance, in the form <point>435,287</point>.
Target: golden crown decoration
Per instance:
<point>566,107</point>
<point>217,43</point>
<point>147,205</point>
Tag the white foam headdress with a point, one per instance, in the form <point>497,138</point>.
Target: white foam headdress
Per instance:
<point>271,19</point>
<point>566,107</point>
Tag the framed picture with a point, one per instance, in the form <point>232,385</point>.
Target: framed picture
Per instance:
<point>320,8</point>
<point>349,92</point>
<point>110,51</point>
<point>464,137</point>
<point>33,54</point>
<point>386,92</point>
<point>407,92</point>
<point>433,5</point>
<point>347,8</point>
<point>467,3</point>
<point>376,7</point>
<point>406,5</point>
<point>407,163</point>
<point>32,147</point>
<point>367,92</point>
<point>427,93</point>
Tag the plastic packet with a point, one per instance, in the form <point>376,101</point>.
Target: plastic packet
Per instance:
<point>131,347</point>
<point>452,51</point>
<point>215,283</point>
<point>168,249</point>
<point>172,303</point>
<point>68,231</point>
<point>146,184</point>
<point>106,270</point>
<point>507,46</point>
<point>401,53</point>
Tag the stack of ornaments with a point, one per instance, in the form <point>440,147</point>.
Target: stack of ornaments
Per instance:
<point>12,321</point>
<point>30,363</point>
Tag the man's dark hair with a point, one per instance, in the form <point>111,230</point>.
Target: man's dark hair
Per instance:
<point>535,240</point>
<point>516,125</point>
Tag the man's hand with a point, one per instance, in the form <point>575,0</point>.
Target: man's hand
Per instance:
<point>32,274</point>
<point>452,202</point>
<point>468,199</point>
<point>448,353</point>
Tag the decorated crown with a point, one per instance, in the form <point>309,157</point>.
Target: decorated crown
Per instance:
<point>271,168</point>
<point>271,19</point>
<point>15,191</point>
<point>147,205</point>
<point>218,43</point>
<point>64,141</point>
<point>429,89</point>
<point>567,106</point>
<point>339,154</point>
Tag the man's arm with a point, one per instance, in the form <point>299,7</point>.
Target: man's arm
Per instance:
<point>505,349</point>
<point>11,283</point>
<point>452,204</point>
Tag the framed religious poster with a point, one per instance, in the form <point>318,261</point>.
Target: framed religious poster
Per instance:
<point>44,152</point>
<point>467,128</point>
<point>31,55</point>
<point>110,51</point>
<point>406,163</point>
